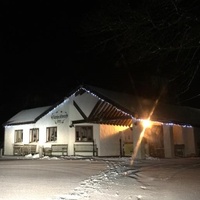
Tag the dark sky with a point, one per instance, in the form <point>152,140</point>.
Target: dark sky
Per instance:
<point>39,48</point>
<point>43,55</point>
<point>50,47</point>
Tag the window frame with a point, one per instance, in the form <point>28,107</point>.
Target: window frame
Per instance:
<point>32,135</point>
<point>19,136</point>
<point>51,134</point>
<point>84,133</point>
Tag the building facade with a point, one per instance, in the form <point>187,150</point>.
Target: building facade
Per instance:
<point>95,122</point>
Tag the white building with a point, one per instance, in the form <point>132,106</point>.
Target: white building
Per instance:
<point>97,122</point>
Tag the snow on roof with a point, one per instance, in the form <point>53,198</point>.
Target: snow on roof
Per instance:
<point>142,107</point>
<point>126,103</point>
<point>28,116</point>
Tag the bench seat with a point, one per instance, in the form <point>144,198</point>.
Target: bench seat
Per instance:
<point>86,147</point>
<point>24,149</point>
<point>56,149</point>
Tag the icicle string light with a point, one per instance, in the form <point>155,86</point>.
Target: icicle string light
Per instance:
<point>51,111</point>
<point>107,102</point>
<point>133,118</point>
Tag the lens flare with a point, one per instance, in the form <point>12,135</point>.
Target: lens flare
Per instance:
<point>145,126</point>
<point>146,123</point>
<point>137,146</point>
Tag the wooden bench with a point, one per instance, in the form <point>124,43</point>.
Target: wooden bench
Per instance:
<point>84,148</point>
<point>59,149</point>
<point>29,149</point>
<point>17,149</point>
<point>47,151</point>
<point>179,150</point>
<point>24,149</point>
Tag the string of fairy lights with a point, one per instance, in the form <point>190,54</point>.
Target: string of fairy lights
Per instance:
<point>125,113</point>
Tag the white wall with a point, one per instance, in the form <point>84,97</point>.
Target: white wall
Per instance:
<point>8,140</point>
<point>106,137</point>
<point>9,137</point>
<point>185,135</point>
<point>138,145</point>
<point>178,134</point>
<point>188,135</point>
<point>110,140</point>
<point>65,134</point>
<point>86,102</point>
<point>168,141</point>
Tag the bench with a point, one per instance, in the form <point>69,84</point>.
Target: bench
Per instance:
<point>84,148</point>
<point>17,149</point>
<point>179,150</point>
<point>47,151</point>
<point>56,149</point>
<point>24,149</point>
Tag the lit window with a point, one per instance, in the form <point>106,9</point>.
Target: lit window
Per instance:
<point>18,135</point>
<point>34,135</point>
<point>51,134</point>
<point>84,133</point>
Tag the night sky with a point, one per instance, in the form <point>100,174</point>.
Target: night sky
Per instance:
<point>148,48</point>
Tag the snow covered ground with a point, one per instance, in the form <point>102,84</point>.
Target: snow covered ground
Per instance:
<point>150,179</point>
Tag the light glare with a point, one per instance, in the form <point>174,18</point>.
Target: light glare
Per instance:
<point>146,123</point>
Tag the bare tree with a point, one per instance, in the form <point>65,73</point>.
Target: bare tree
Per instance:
<point>155,41</point>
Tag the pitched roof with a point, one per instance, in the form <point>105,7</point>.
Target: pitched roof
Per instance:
<point>28,116</point>
<point>118,109</point>
<point>141,108</point>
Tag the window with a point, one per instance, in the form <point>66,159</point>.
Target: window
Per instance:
<point>51,134</point>
<point>84,133</point>
<point>34,135</point>
<point>18,135</point>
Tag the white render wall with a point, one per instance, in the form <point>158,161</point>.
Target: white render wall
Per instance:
<point>9,137</point>
<point>188,135</point>
<point>8,140</point>
<point>65,134</point>
<point>168,141</point>
<point>110,140</point>
<point>185,135</point>
<point>178,134</point>
<point>86,103</point>
<point>106,137</point>
<point>139,148</point>
<point>42,124</point>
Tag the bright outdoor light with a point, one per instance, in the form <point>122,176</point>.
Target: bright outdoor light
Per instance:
<point>146,123</point>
